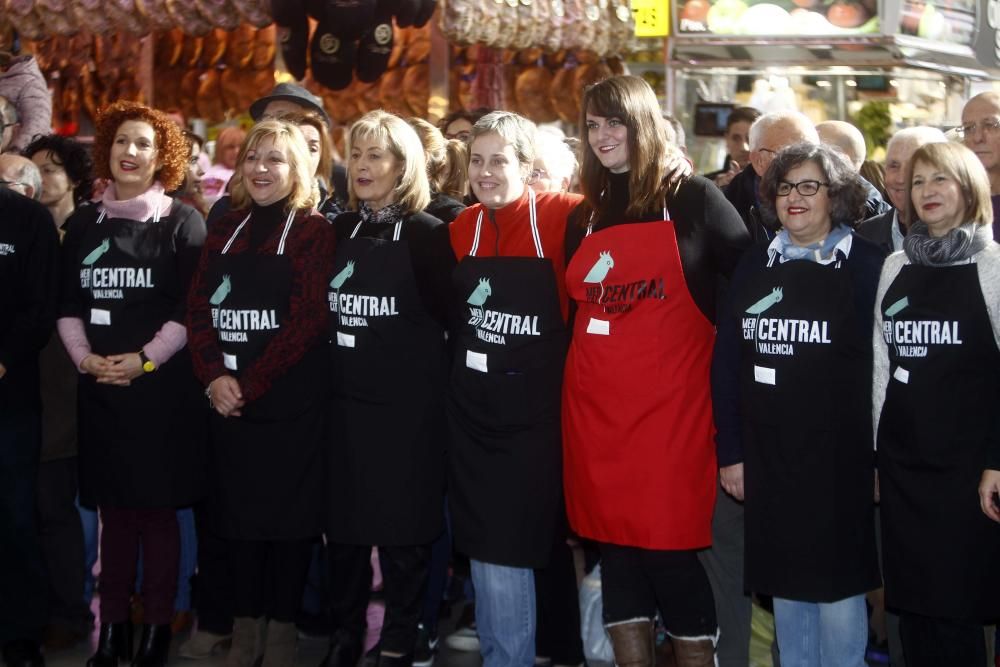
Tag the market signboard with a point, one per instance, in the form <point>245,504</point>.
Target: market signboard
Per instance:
<point>800,18</point>
<point>947,21</point>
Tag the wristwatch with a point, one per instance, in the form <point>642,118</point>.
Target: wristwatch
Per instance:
<point>147,364</point>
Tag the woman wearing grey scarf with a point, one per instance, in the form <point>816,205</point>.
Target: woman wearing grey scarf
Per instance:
<point>935,392</point>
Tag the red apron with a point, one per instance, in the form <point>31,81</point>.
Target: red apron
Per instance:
<point>639,455</point>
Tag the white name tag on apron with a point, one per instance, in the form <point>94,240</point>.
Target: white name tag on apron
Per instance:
<point>763,375</point>
<point>229,361</point>
<point>100,316</point>
<point>345,340</point>
<point>476,361</point>
<point>902,375</point>
<point>599,327</point>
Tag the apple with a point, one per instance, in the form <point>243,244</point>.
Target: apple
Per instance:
<point>932,24</point>
<point>724,16</point>
<point>846,14</point>
<point>695,10</point>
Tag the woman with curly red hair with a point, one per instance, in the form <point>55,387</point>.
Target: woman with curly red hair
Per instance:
<point>126,265</point>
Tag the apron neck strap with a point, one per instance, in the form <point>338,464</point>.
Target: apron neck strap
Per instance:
<point>397,229</point>
<point>281,243</point>
<point>532,220</point>
<point>666,217</point>
<point>284,234</point>
<point>101,217</point>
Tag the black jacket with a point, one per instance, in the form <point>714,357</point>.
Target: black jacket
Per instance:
<point>878,230</point>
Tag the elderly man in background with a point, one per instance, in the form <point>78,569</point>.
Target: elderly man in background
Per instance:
<point>849,140</point>
<point>20,175</point>
<point>980,131</point>
<point>888,229</point>
<point>28,246</point>
<point>768,135</point>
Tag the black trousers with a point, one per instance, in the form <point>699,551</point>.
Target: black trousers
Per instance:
<point>60,534</point>
<point>934,642</point>
<point>638,582</point>
<point>557,604</point>
<point>268,577</point>
<point>213,585</point>
<point>404,581</point>
<point>23,582</point>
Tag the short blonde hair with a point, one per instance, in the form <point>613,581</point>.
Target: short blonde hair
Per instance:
<point>305,193</point>
<point>962,165</point>
<point>412,191</point>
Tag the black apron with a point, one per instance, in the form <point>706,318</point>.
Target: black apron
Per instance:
<point>941,553</point>
<point>268,460</point>
<point>808,461</point>
<point>140,446</point>
<point>505,462</point>
<point>386,458</point>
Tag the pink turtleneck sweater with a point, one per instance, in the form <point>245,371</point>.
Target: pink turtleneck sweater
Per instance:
<point>172,336</point>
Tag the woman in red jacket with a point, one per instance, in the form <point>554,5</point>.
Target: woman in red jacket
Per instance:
<point>510,341</point>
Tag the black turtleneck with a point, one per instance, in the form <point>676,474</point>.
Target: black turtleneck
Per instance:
<point>711,235</point>
<point>264,220</point>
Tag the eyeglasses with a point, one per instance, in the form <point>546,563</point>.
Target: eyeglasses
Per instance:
<point>10,184</point>
<point>804,188</point>
<point>537,174</point>
<point>767,150</point>
<point>989,127</point>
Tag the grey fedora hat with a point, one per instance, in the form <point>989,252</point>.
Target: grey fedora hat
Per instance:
<point>291,93</point>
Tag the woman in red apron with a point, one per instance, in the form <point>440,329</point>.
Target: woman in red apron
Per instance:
<point>510,343</point>
<point>644,257</point>
<point>936,390</point>
<point>126,265</point>
<point>256,315</point>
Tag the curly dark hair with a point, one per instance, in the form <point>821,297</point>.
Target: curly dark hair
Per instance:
<point>846,191</point>
<point>171,146</point>
<point>72,156</point>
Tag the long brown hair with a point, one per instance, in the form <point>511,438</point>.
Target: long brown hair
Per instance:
<point>656,167</point>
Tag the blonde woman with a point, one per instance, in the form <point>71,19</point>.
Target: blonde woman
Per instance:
<point>255,313</point>
<point>387,300</point>
<point>936,387</point>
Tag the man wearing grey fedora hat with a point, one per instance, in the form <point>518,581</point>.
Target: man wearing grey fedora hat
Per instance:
<point>287,98</point>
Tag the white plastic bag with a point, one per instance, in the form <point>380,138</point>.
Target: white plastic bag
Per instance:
<point>596,643</point>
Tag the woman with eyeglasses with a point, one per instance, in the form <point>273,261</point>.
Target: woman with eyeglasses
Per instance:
<point>936,390</point>
<point>791,387</point>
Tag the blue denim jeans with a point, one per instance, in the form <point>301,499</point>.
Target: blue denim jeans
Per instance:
<point>505,614</point>
<point>824,634</point>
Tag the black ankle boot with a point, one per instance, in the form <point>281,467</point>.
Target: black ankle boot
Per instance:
<point>342,653</point>
<point>153,647</point>
<point>114,644</point>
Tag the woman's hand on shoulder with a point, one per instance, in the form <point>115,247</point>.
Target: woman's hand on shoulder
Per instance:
<point>225,395</point>
<point>989,488</point>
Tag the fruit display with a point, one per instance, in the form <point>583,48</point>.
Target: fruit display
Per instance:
<point>779,17</point>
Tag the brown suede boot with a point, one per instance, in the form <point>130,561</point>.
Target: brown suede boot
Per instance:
<point>282,640</point>
<point>633,643</point>
<point>694,652</point>
<point>248,642</point>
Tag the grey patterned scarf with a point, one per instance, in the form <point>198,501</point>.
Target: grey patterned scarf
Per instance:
<point>957,245</point>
